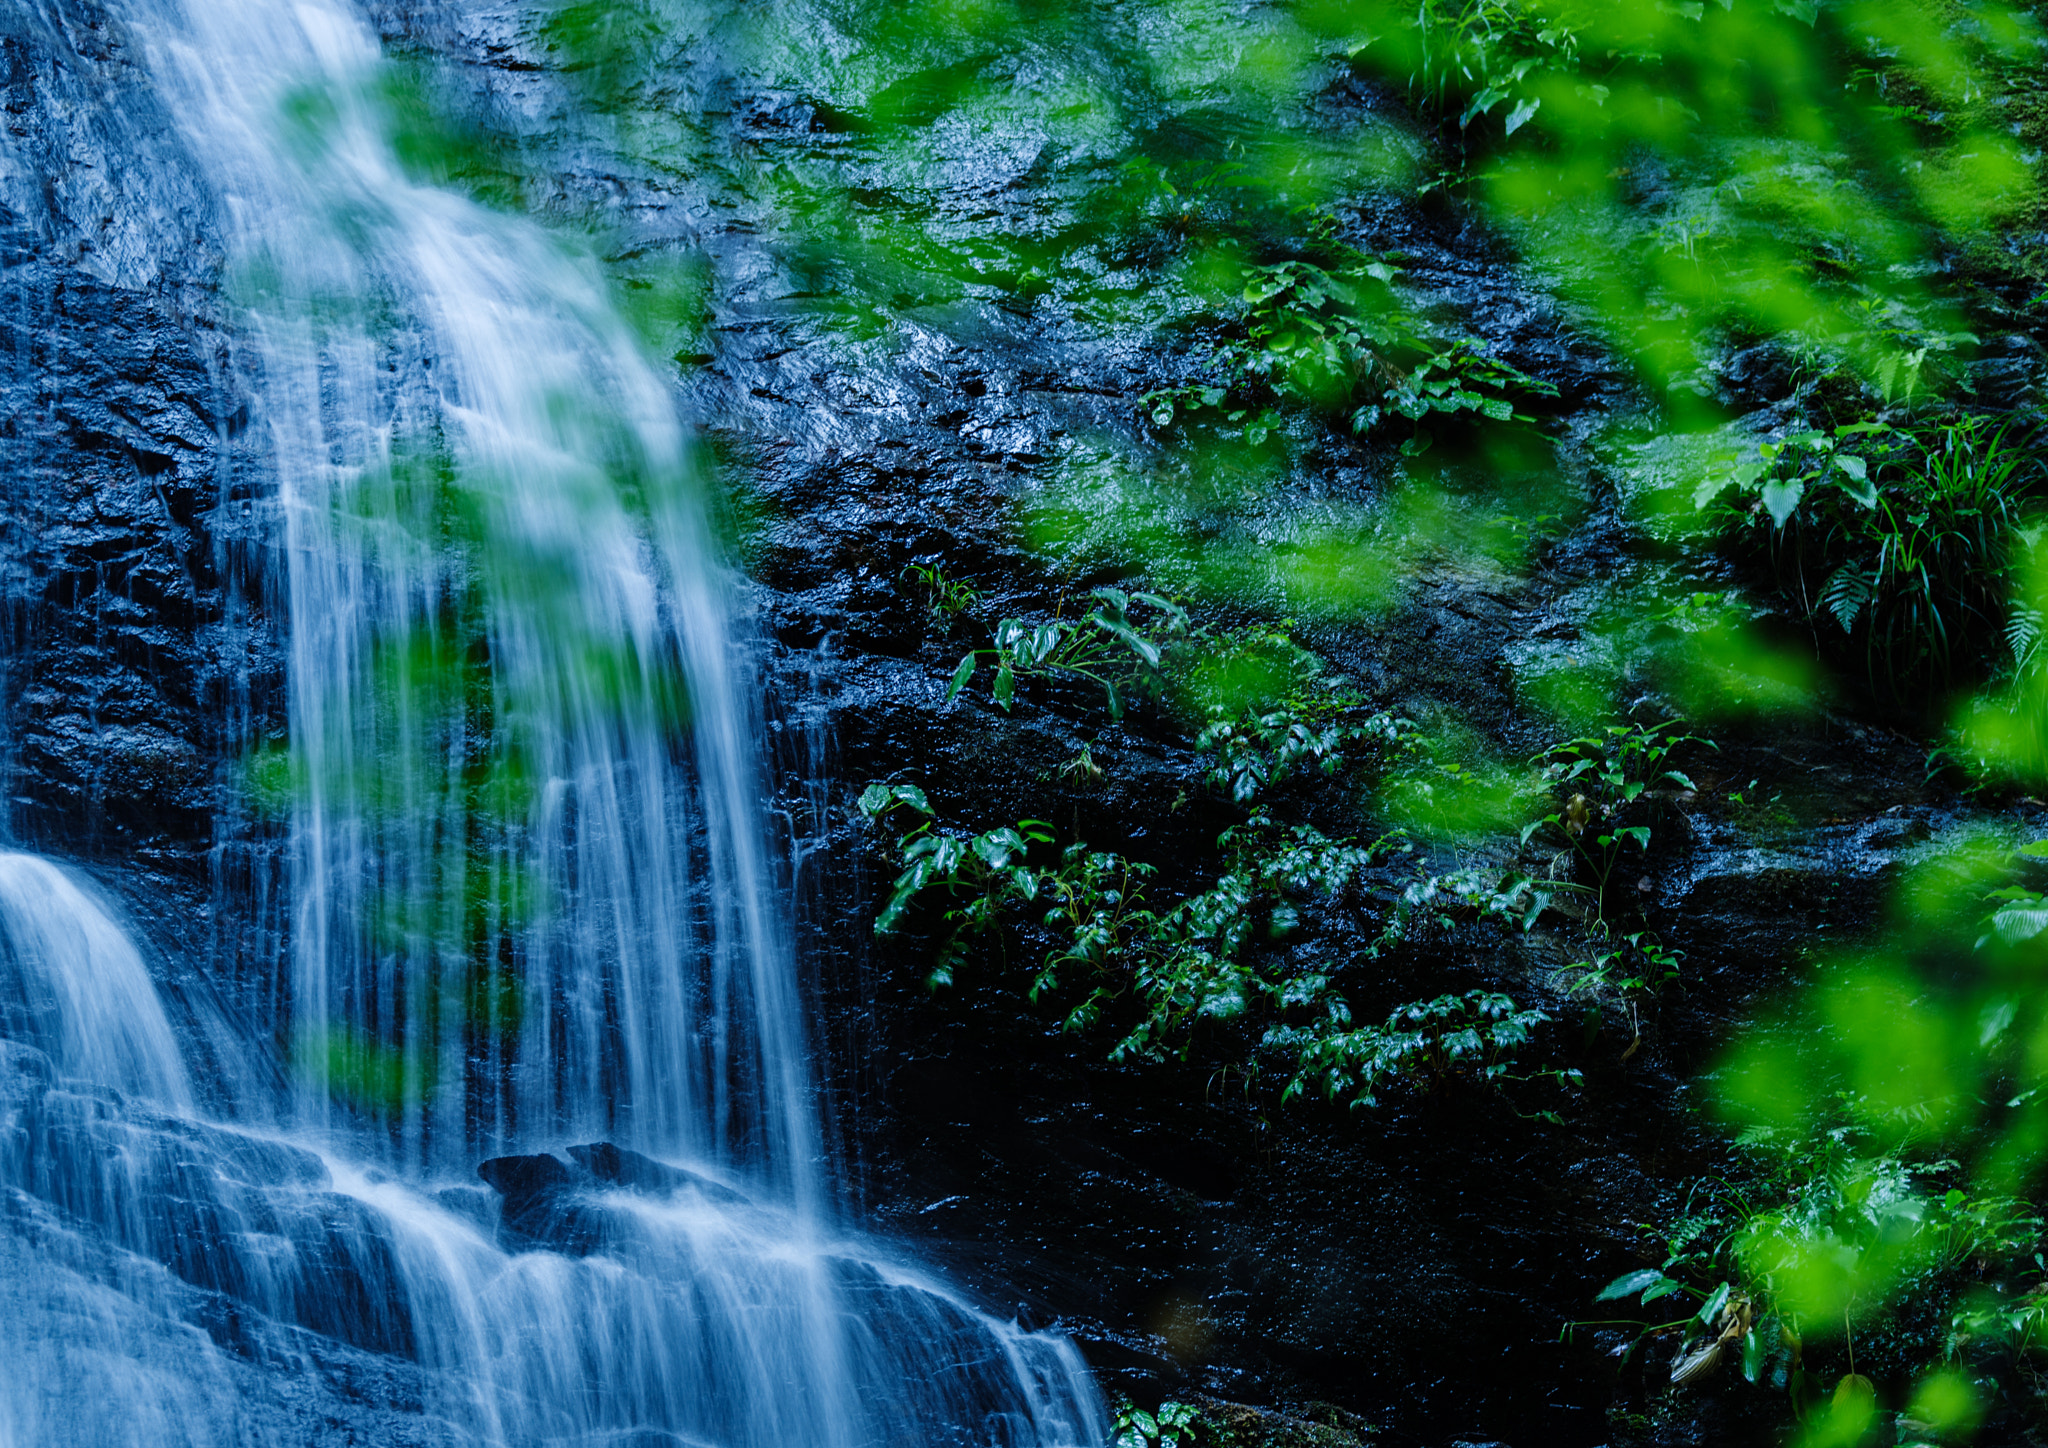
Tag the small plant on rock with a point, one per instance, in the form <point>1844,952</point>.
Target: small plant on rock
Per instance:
<point>1340,339</point>
<point>1477,1033</point>
<point>1608,775</point>
<point>1627,971</point>
<point>1175,1425</point>
<point>947,600</point>
<point>1108,648</point>
<point>1261,747</point>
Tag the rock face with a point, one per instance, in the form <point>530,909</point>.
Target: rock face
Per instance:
<point>141,648</point>
<point>137,631</point>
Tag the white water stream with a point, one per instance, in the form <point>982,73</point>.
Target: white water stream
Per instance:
<point>532,899</point>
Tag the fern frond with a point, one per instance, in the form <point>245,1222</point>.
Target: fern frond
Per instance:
<point>2023,635</point>
<point>1846,594</point>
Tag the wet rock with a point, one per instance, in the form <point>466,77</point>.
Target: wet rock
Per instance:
<point>25,1073</point>
<point>475,1204</point>
<point>542,1208</point>
<point>547,1203</point>
<point>616,1166</point>
<point>1227,1424</point>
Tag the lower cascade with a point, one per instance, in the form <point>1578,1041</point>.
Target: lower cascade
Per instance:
<point>175,1280</point>
<point>510,1139</point>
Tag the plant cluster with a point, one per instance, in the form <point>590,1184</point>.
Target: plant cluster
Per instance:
<point>1907,540</point>
<point>1261,746</point>
<point>1627,971</point>
<point>1340,340</point>
<point>1161,972</point>
<point>1477,1032</point>
<point>1821,1249</point>
<point>1106,647</point>
<point>1175,1425</point>
<point>947,601</point>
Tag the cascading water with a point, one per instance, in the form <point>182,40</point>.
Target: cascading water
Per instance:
<point>532,904</point>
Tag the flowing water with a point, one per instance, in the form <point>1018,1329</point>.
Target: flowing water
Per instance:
<point>533,921</point>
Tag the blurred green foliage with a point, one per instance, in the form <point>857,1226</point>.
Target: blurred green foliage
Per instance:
<point>1692,173</point>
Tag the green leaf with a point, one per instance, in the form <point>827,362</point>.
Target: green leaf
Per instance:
<point>2021,921</point>
<point>1752,1355</point>
<point>1711,1308</point>
<point>1485,101</point>
<point>1781,496</point>
<point>1630,1283</point>
<point>1858,484</point>
<point>961,675</point>
<point>1522,113</point>
<point>997,846</point>
<point>1136,642</point>
<point>911,795</point>
<point>1005,689</point>
<point>878,799</point>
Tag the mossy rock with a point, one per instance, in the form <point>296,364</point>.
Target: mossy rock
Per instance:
<point>1318,1425</point>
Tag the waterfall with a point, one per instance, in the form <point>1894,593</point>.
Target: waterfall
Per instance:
<point>70,978</point>
<point>531,890</point>
<point>534,921</point>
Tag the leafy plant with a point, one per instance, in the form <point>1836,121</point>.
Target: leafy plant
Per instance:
<point>1609,775</point>
<point>1175,1425</point>
<point>1107,647</point>
<point>1262,747</point>
<point>1202,966</point>
<point>947,600</point>
<point>1479,57</point>
<point>1631,970</point>
<point>1341,340</point>
<point>1425,1041</point>
<point>1165,971</point>
<point>1906,542</point>
<point>982,870</point>
<point>1818,1241</point>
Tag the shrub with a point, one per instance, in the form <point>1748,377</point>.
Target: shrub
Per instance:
<point>1903,545</point>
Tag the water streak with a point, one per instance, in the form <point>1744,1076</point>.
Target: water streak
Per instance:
<point>70,979</point>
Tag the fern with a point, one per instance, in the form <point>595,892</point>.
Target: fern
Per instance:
<point>2023,634</point>
<point>1846,594</point>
